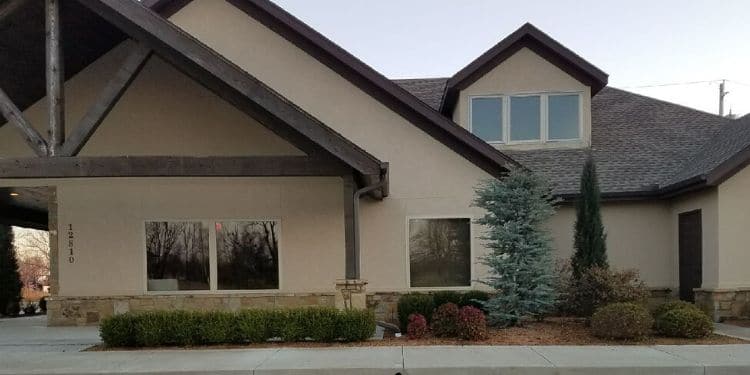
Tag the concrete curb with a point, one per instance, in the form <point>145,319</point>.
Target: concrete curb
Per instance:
<point>475,360</point>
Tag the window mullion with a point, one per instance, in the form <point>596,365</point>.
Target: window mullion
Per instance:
<point>212,260</point>
<point>544,118</point>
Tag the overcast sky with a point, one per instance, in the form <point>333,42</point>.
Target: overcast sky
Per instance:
<point>638,43</point>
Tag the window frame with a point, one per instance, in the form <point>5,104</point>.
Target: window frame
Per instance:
<point>543,116</point>
<point>472,263</point>
<point>213,280</point>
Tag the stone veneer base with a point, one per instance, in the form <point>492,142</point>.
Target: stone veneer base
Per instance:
<point>71,311</point>
<point>724,303</point>
<point>80,311</point>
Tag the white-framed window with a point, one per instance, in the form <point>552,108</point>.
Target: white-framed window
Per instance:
<point>439,252</point>
<point>212,255</point>
<point>526,117</point>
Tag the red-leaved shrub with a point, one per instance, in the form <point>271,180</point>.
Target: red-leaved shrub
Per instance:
<point>445,320</point>
<point>471,324</point>
<point>417,327</point>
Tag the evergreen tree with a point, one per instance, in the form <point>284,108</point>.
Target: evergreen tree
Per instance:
<point>520,260</point>
<point>10,281</point>
<point>590,239</point>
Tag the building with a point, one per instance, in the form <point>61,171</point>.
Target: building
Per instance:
<point>222,154</point>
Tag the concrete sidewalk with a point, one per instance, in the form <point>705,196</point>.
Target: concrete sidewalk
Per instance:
<point>32,335</point>
<point>610,360</point>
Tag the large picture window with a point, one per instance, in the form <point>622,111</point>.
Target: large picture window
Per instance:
<point>440,252</point>
<point>247,254</point>
<point>537,118</point>
<point>237,255</point>
<point>177,255</point>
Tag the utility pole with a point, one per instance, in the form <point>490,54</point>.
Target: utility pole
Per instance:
<point>722,94</point>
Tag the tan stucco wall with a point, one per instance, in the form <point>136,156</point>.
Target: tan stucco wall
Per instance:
<point>163,113</point>
<point>639,236</point>
<point>734,231</point>
<point>426,178</point>
<point>527,72</point>
<point>108,217</point>
<point>707,202</point>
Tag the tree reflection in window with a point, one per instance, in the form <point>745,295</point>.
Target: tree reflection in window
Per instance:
<point>177,256</point>
<point>247,255</point>
<point>439,252</point>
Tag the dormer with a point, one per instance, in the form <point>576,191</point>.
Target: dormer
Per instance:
<point>526,92</point>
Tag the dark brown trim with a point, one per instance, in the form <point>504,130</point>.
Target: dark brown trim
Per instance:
<point>23,217</point>
<point>729,167</point>
<point>170,166</point>
<point>230,82</point>
<point>110,95</point>
<point>376,85</point>
<point>539,42</point>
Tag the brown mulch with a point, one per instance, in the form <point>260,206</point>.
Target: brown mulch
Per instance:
<point>553,331</point>
<point>739,322</point>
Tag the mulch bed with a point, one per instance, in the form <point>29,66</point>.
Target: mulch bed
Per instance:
<point>553,331</point>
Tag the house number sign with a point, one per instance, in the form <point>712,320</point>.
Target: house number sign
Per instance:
<point>71,239</point>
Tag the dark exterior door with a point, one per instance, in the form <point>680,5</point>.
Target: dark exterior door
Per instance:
<point>690,253</point>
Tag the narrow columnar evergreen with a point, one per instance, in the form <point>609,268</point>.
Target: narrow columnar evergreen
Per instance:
<point>10,282</point>
<point>590,239</point>
<point>520,252</point>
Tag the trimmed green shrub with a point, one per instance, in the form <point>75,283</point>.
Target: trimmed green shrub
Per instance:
<point>626,321</point>
<point>216,327</point>
<point>118,331</point>
<point>445,320</point>
<point>414,303</point>
<point>356,325</point>
<point>471,324</point>
<point>183,328</point>
<point>684,322</point>
<point>254,326</point>
<point>417,327</point>
<point>598,287</point>
<point>673,305</point>
<point>474,298</point>
<point>29,309</point>
<point>448,296</point>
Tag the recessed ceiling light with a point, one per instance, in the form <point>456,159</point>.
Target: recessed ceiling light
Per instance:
<point>14,194</point>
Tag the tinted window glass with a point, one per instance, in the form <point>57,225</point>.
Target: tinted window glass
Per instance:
<point>563,117</point>
<point>525,118</point>
<point>486,118</point>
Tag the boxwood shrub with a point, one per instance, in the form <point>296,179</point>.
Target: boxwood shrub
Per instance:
<point>184,328</point>
<point>673,305</point>
<point>626,321</point>
<point>684,322</point>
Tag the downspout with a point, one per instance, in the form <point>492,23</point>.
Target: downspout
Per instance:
<point>357,195</point>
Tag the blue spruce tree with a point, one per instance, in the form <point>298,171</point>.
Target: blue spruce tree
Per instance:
<point>520,251</point>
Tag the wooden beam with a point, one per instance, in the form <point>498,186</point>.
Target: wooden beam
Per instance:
<point>350,255</point>
<point>230,82</point>
<point>23,217</point>
<point>170,166</point>
<point>55,78</point>
<point>15,117</point>
<point>112,93</point>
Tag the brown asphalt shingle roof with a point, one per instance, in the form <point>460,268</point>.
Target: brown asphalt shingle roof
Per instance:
<point>640,144</point>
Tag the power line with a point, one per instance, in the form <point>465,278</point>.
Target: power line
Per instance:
<point>674,84</point>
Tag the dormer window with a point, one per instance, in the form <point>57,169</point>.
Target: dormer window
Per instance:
<point>526,118</point>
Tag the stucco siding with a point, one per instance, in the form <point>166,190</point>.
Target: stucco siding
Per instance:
<point>108,218</point>
<point>527,72</point>
<point>638,237</point>
<point>734,231</point>
<point>163,112</point>
<point>426,177</point>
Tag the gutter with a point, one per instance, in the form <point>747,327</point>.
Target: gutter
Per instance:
<point>381,184</point>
